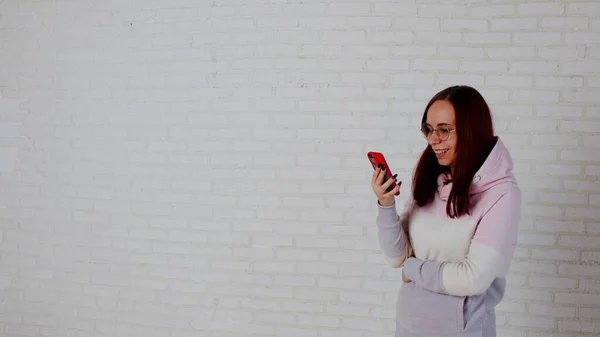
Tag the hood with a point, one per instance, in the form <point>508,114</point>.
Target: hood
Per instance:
<point>496,169</point>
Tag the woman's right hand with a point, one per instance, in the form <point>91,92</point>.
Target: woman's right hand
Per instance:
<point>380,187</point>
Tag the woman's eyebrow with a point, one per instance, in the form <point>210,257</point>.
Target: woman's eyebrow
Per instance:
<point>440,124</point>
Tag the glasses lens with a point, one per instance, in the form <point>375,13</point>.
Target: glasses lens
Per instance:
<point>425,130</point>
<point>443,133</point>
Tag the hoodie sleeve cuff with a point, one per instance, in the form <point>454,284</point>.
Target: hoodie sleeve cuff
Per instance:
<point>427,274</point>
<point>387,215</point>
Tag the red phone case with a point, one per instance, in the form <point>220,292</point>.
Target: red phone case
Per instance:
<point>376,159</point>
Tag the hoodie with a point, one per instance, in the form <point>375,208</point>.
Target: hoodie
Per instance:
<point>455,259</point>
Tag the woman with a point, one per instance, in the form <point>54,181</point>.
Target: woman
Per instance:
<point>456,235</point>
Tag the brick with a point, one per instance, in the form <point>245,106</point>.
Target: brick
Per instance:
<point>488,11</point>
<point>484,66</point>
<point>571,23</point>
<point>552,282</point>
<point>443,65</point>
<point>510,81</point>
<point>420,23</point>
<point>487,38</point>
<point>511,53</point>
<point>343,36</point>
<point>574,241</point>
<point>382,37</point>
<point>513,24</point>
<point>540,8</point>
<point>554,254</point>
<point>579,155</point>
<point>417,50</point>
<point>529,321</point>
<point>559,82</point>
<point>579,326</point>
<point>583,8</point>
<point>546,225</point>
<point>464,25</point>
<point>538,38</point>
<point>441,10</point>
<point>579,67</point>
<point>581,38</point>
<point>558,170</point>
<point>576,298</point>
<point>440,38</point>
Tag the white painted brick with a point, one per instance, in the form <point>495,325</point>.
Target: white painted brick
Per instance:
<point>487,38</point>
<point>573,126</point>
<point>578,155</point>
<point>547,225</point>
<point>554,254</point>
<point>559,82</point>
<point>387,65</point>
<point>513,24</point>
<point>439,38</point>
<point>418,50</point>
<point>385,37</point>
<point>484,66</point>
<point>408,24</point>
<point>441,10</point>
<point>577,299</point>
<point>582,96</point>
<point>510,53</point>
<point>564,53</point>
<point>593,112</point>
<point>464,24</point>
<point>530,321</point>
<point>537,38</point>
<point>579,67</point>
<point>315,50</point>
<point>537,239</point>
<point>461,52</point>
<point>394,9</point>
<point>343,36</point>
<point>579,326</point>
<point>554,311</point>
<point>541,8</point>
<point>586,8</point>
<point>473,80</point>
<point>488,11</point>
<point>575,23</point>
<point>510,81</point>
<point>440,65</point>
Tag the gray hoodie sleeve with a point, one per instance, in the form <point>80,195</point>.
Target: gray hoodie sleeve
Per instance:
<point>392,239</point>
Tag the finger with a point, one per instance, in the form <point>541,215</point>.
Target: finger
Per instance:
<point>379,180</point>
<point>388,183</point>
<point>375,175</point>
<point>392,192</point>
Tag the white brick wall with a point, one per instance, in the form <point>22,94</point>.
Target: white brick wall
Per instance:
<point>197,168</point>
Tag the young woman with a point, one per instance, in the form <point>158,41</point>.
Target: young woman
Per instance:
<point>456,235</point>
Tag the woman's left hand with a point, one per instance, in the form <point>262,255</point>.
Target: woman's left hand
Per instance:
<point>404,278</point>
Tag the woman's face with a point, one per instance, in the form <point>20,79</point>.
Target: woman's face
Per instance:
<point>440,131</point>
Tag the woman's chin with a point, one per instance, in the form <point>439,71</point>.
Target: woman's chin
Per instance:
<point>444,162</point>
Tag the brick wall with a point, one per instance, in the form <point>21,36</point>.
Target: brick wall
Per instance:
<point>197,168</point>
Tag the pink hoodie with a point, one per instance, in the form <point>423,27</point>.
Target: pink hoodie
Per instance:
<point>460,264</point>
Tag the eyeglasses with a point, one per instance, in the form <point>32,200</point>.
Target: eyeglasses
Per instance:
<point>443,132</point>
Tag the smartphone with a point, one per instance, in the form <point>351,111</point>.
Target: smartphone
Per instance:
<point>378,159</point>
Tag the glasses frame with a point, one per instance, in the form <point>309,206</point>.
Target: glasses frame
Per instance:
<point>426,133</point>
